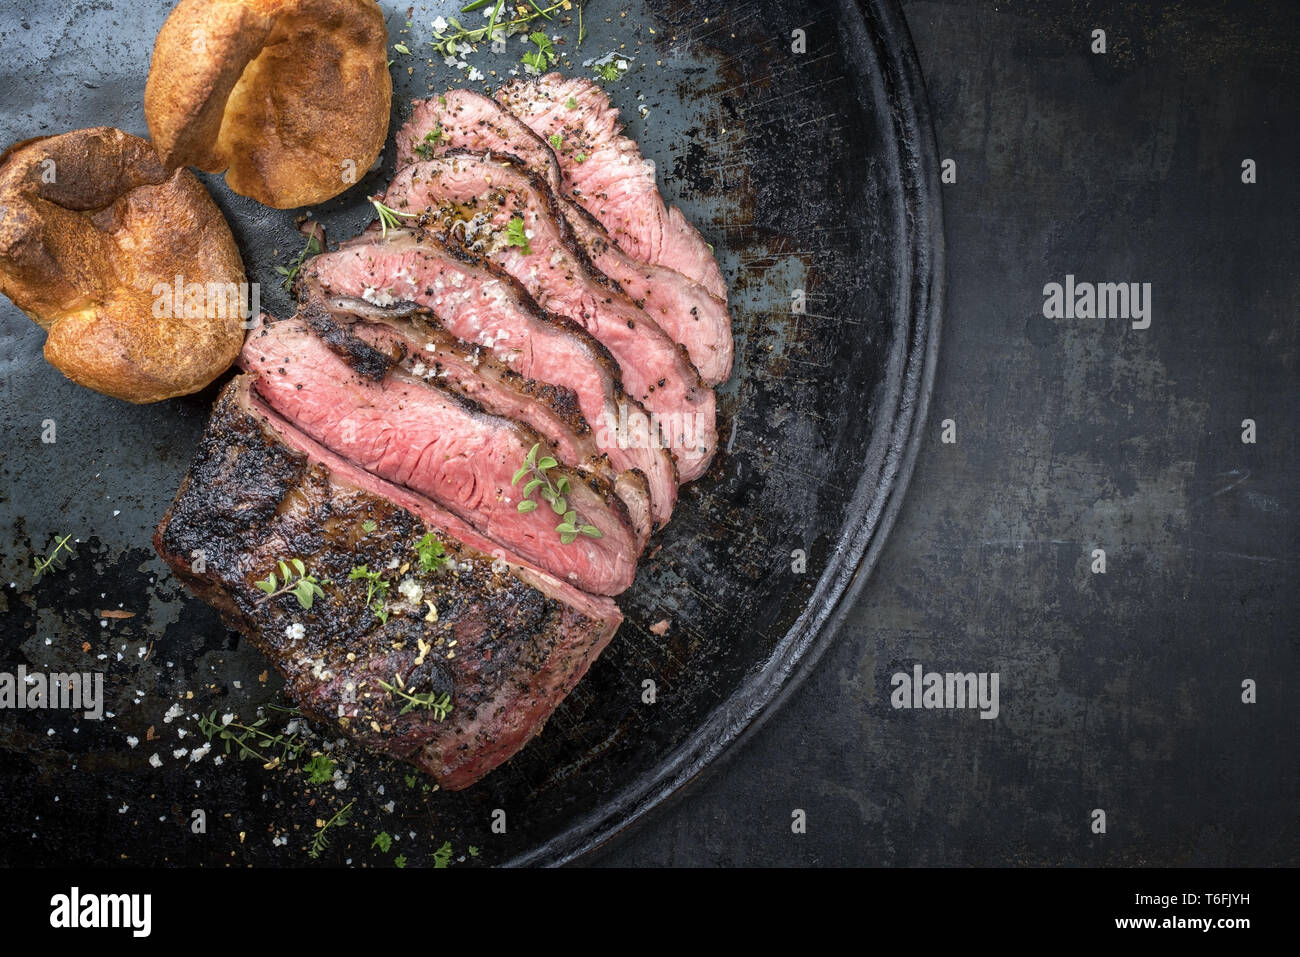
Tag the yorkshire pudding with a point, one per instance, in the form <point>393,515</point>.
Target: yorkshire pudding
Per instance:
<point>289,97</point>
<point>96,236</point>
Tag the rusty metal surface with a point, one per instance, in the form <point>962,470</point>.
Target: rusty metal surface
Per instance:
<point>808,171</point>
<point>1120,691</point>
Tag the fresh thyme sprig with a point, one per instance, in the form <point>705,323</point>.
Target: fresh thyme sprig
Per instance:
<point>553,494</point>
<point>42,565</point>
<point>290,272</point>
<point>376,584</point>
<point>306,589</point>
<point>320,841</point>
<point>254,740</point>
<point>388,217</point>
<point>447,43</point>
<point>440,705</point>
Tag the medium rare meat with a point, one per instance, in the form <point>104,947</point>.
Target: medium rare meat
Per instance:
<point>482,304</point>
<point>476,199</point>
<point>504,643</point>
<point>606,173</point>
<point>415,341</point>
<point>685,310</point>
<point>422,436</point>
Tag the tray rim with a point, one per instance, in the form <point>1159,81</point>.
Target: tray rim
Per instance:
<point>735,722</point>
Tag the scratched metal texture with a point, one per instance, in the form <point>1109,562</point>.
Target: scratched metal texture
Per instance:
<point>807,171</point>
<point>1119,691</point>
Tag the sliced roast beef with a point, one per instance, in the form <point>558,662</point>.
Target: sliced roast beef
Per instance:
<point>482,304</point>
<point>412,336</point>
<point>606,173</point>
<point>502,642</point>
<point>685,310</point>
<point>427,438</point>
<point>509,215</point>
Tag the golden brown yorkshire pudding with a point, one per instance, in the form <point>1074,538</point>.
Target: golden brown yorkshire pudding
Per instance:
<point>94,233</point>
<point>289,97</point>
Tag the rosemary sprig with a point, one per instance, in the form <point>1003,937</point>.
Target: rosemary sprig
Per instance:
<point>553,493</point>
<point>320,841</point>
<point>388,217</point>
<point>42,565</point>
<point>306,589</point>
<point>440,705</point>
<point>254,740</point>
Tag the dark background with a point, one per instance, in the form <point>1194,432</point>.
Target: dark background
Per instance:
<point>1119,691</point>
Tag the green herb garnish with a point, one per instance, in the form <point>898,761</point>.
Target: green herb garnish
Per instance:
<point>320,841</point>
<point>401,48</point>
<point>399,861</point>
<point>608,71</point>
<point>254,741</point>
<point>447,43</point>
<point>388,216</point>
<point>425,147</point>
<point>306,589</point>
<point>369,525</point>
<point>376,589</point>
<point>42,565</point>
<point>545,54</point>
<point>290,272</point>
<point>555,139</point>
<point>440,705</point>
<point>580,158</point>
<point>553,494</point>
<point>431,553</point>
<point>383,840</point>
<point>320,769</point>
<point>442,856</point>
<point>570,104</point>
<point>473,851</point>
<point>515,236</point>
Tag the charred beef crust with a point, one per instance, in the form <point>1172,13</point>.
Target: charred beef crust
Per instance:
<point>364,358</point>
<point>249,501</point>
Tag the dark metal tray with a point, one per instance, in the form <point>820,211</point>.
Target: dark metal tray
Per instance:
<point>810,171</point>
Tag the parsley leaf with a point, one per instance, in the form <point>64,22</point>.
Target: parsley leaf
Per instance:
<point>555,140</point>
<point>383,840</point>
<point>515,236</point>
<point>431,553</point>
<point>545,54</point>
<point>320,769</point>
